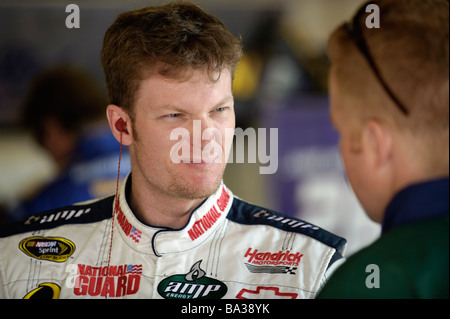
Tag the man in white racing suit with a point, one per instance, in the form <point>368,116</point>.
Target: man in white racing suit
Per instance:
<point>172,230</point>
<point>228,249</point>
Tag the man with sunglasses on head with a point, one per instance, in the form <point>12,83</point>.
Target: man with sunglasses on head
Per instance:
<point>389,90</point>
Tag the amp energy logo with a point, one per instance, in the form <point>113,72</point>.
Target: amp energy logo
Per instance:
<point>194,285</point>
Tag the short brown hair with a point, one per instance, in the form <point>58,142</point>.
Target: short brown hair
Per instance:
<point>411,50</point>
<point>168,40</point>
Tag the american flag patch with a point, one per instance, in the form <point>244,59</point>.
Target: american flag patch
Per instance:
<point>135,234</point>
<point>134,269</point>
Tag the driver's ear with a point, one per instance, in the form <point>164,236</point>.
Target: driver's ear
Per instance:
<point>379,140</point>
<point>120,124</point>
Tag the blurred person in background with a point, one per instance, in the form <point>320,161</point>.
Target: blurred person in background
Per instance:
<point>389,89</point>
<point>65,110</point>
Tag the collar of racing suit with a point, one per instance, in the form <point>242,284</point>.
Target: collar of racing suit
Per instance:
<point>203,222</point>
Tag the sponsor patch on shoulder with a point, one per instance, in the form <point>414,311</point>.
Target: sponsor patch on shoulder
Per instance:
<point>56,249</point>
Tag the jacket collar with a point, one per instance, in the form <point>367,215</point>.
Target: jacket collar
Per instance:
<point>202,223</point>
<point>418,203</point>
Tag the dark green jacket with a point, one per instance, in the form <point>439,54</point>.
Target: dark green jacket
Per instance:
<point>410,260</point>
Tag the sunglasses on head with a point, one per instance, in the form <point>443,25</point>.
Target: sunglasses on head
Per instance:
<point>355,30</point>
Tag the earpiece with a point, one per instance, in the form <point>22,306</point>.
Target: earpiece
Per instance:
<point>121,126</point>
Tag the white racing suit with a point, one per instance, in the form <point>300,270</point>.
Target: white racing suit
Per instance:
<point>228,249</point>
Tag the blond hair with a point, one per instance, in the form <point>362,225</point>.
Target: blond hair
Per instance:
<point>411,52</point>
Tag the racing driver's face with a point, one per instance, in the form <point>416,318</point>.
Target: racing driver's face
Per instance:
<point>165,162</point>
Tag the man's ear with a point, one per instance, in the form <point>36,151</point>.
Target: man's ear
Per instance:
<point>379,142</point>
<point>120,124</point>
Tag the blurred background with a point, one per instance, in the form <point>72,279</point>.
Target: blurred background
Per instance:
<point>281,83</point>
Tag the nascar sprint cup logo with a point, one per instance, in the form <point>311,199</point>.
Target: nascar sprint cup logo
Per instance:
<point>194,285</point>
<point>56,249</point>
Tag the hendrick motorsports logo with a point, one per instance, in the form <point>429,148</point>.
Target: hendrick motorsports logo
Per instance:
<point>194,285</point>
<point>55,249</point>
<point>283,262</point>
